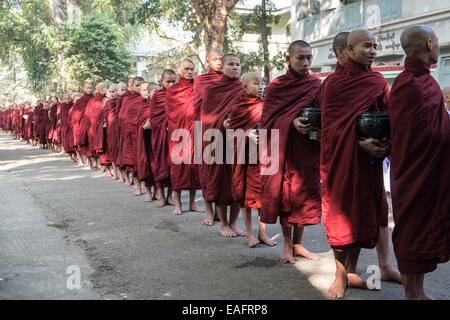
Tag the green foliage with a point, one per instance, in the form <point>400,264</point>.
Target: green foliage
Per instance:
<point>97,51</point>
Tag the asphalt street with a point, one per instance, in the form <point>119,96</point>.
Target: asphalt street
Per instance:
<point>69,232</point>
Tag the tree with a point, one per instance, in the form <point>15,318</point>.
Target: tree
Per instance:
<point>97,51</point>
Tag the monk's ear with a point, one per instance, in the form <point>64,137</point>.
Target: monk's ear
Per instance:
<point>429,44</point>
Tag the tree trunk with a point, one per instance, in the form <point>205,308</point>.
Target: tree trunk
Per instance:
<point>265,42</point>
<point>213,16</point>
<point>59,12</point>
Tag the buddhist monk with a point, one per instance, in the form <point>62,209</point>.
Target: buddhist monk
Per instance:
<point>66,126</point>
<point>144,151</point>
<point>78,124</point>
<point>446,93</point>
<point>128,132</point>
<point>214,61</point>
<point>387,270</point>
<point>111,130</point>
<point>180,116</point>
<point>354,205</point>
<point>95,119</point>
<point>160,143</point>
<point>420,175</point>
<point>293,192</point>
<point>246,177</point>
<point>124,176</point>
<point>41,122</point>
<point>218,99</point>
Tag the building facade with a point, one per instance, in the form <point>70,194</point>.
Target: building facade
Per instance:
<point>318,21</point>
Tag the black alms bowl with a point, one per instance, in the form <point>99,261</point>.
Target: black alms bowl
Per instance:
<point>374,125</point>
<point>313,115</point>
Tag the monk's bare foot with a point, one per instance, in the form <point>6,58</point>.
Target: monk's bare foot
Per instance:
<point>196,208</point>
<point>157,197</point>
<point>390,274</point>
<point>177,211</point>
<point>161,203</point>
<point>148,197</point>
<point>209,220</point>
<point>337,288</point>
<point>422,296</point>
<point>252,241</point>
<point>137,193</point>
<point>238,231</point>
<point>266,240</point>
<point>227,232</point>
<point>300,250</point>
<point>354,281</point>
<point>288,255</point>
<point>171,202</point>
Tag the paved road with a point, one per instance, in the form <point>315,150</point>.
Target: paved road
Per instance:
<point>56,215</point>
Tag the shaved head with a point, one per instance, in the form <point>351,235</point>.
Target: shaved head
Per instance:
<point>249,76</point>
<point>359,35</point>
<point>186,69</point>
<point>340,41</point>
<point>420,41</point>
<point>446,91</point>
<point>101,86</point>
<point>362,46</point>
<point>227,56</point>
<point>214,59</point>
<point>168,72</point>
<point>297,43</point>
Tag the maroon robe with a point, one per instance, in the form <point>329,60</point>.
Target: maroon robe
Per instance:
<point>66,128</point>
<point>128,132</point>
<point>200,84</point>
<point>160,143</point>
<point>144,153</point>
<point>246,178</point>
<point>95,118</point>
<point>218,99</point>
<point>111,129</point>
<point>180,115</point>
<point>293,191</point>
<point>420,173</point>
<point>41,123</point>
<point>118,150</point>
<point>78,123</point>
<point>353,204</point>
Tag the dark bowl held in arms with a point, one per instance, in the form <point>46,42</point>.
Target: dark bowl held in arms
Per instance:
<point>374,125</point>
<point>313,115</point>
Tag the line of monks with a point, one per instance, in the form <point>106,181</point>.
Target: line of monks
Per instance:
<point>338,179</point>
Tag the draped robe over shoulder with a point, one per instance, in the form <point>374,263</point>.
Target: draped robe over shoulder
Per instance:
<point>66,127</point>
<point>95,118</point>
<point>160,143</point>
<point>354,204</point>
<point>128,115</point>
<point>78,122</point>
<point>293,191</point>
<point>246,178</point>
<point>420,173</point>
<point>144,151</point>
<point>180,115</point>
<point>218,99</point>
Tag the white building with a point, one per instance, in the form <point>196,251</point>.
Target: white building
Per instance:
<point>318,21</point>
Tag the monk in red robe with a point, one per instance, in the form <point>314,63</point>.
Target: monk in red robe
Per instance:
<point>66,126</point>
<point>218,99</point>
<point>128,132</point>
<point>157,122</point>
<point>124,176</point>
<point>214,61</point>
<point>246,177</point>
<point>111,130</point>
<point>180,116</point>
<point>78,124</point>
<point>293,191</point>
<point>41,122</point>
<point>144,152</point>
<point>420,174</point>
<point>387,270</point>
<point>95,120</point>
<point>354,205</point>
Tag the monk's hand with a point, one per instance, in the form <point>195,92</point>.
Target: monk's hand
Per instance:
<point>147,125</point>
<point>253,136</point>
<point>300,127</point>
<point>226,124</point>
<point>375,148</point>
